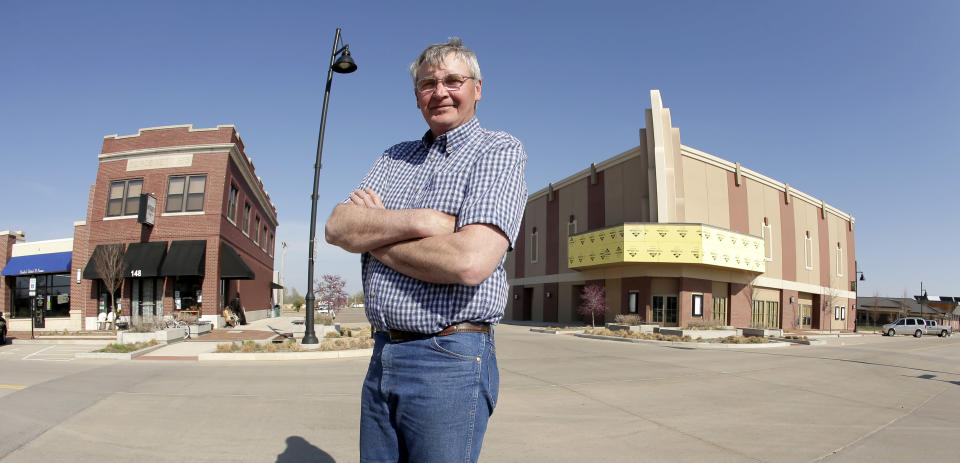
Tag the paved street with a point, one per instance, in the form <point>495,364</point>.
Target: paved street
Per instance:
<point>561,399</point>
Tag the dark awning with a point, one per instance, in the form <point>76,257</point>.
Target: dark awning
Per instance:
<point>55,262</point>
<point>275,285</point>
<point>144,259</point>
<point>90,271</point>
<point>232,267</point>
<point>186,258</point>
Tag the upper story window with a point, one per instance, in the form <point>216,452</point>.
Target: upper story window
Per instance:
<point>263,239</point>
<point>232,203</point>
<point>839,260</point>
<point>534,253</point>
<point>808,251</point>
<point>246,219</point>
<point>271,246</point>
<point>767,233</point>
<point>185,193</point>
<point>256,231</point>
<point>124,198</point>
<point>572,226</point>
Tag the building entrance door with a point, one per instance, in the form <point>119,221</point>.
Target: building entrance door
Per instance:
<point>671,311</point>
<point>144,300</point>
<point>804,316</point>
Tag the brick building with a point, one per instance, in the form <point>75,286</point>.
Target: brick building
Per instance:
<point>677,235</point>
<point>212,236</point>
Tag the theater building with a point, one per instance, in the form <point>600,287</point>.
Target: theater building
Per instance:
<point>189,221</point>
<point>678,236</point>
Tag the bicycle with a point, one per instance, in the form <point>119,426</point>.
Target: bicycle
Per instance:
<point>177,323</point>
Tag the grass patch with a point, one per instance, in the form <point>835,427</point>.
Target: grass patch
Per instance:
<point>291,345</point>
<point>127,348</point>
<point>565,328</point>
<point>660,337</point>
<point>637,335</point>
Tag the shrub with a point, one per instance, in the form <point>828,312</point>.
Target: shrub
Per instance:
<point>324,319</point>
<point>127,348</point>
<point>704,325</point>
<point>332,334</point>
<point>627,319</point>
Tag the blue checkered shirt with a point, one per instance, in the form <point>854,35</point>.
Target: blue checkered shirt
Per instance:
<point>469,172</point>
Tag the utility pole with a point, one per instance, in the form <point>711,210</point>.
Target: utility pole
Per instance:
<point>283,269</point>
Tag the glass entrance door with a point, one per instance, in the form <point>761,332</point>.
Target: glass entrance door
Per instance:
<point>671,312</point>
<point>657,309</point>
<point>804,316</point>
<point>144,300</point>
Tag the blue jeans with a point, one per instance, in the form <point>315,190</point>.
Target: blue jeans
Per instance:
<point>428,400</point>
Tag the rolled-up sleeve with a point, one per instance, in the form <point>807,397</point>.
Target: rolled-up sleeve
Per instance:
<point>497,191</point>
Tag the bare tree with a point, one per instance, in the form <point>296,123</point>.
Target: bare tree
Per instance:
<point>110,268</point>
<point>831,296</point>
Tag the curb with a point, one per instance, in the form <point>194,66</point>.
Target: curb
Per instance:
<point>315,355</point>
<point>118,356</point>
<point>549,331</point>
<point>809,342</point>
<point>685,345</point>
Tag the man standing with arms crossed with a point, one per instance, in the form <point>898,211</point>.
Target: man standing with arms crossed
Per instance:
<point>433,220</point>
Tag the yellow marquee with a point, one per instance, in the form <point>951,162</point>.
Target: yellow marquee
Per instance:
<point>666,243</point>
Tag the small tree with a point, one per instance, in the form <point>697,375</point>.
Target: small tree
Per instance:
<point>293,298</point>
<point>109,265</point>
<point>330,293</point>
<point>593,302</point>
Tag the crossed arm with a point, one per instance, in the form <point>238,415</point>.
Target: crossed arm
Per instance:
<point>419,243</point>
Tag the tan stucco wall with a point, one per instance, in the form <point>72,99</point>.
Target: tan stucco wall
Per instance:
<point>764,202</point>
<point>536,216</point>
<point>805,218</point>
<point>573,201</point>
<point>836,228</point>
<point>623,186</point>
<point>706,200</point>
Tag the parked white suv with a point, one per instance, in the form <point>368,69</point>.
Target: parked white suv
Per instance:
<point>909,325</point>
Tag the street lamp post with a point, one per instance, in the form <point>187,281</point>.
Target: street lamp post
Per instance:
<point>857,274</point>
<point>343,65</point>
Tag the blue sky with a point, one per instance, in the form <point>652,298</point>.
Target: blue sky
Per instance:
<point>854,102</point>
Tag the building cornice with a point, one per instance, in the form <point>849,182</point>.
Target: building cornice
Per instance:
<point>241,160</point>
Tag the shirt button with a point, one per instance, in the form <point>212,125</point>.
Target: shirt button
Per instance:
<point>431,159</point>
<point>450,150</point>
<point>416,190</point>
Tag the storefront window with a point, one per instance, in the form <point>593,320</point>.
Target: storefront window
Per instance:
<point>187,293</point>
<point>52,295</point>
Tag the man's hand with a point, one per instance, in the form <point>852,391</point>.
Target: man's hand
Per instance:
<point>366,198</point>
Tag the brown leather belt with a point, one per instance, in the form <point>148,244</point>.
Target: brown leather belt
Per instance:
<point>397,336</point>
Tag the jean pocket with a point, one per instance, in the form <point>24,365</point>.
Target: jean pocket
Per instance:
<point>461,346</point>
<point>493,378</point>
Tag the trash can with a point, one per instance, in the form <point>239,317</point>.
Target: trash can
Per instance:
<point>276,311</point>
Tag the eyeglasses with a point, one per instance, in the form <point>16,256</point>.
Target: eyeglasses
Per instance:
<point>452,82</point>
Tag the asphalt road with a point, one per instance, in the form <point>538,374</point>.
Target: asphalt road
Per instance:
<point>562,399</point>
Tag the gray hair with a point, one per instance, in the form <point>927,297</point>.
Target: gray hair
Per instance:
<point>435,54</point>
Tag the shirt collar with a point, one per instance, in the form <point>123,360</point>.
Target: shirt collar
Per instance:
<point>454,138</point>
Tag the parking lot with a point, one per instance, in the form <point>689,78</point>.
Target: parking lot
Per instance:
<point>561,399</point>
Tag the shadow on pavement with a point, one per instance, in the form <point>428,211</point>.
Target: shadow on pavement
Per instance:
<point>299,450</point>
